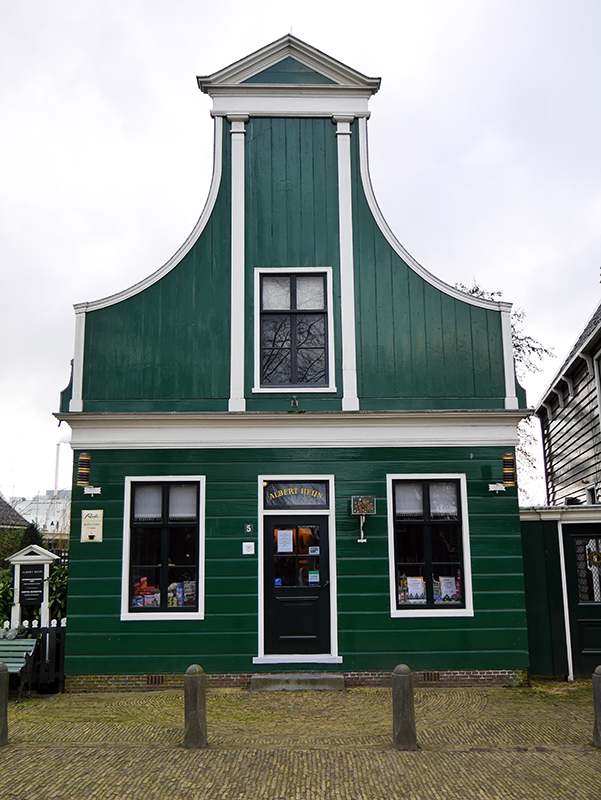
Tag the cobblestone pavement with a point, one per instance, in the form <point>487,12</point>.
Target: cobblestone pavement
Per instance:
<point>475,744</point>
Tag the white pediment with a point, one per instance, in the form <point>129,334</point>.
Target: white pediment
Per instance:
<point>33,554</point>
<point>338,75</point>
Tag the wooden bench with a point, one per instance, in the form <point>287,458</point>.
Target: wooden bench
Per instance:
<point>19,657</point>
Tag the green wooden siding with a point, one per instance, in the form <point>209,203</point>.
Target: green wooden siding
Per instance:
<point>168,347</point>
<point>291,221</point>
<point>226,640</point>
<point>289,70</point>
<point>417,348</point>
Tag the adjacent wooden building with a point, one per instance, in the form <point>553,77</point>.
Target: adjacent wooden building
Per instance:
<point>295,432</point>
<point>562,541</point>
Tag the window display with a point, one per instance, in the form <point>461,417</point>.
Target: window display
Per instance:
<point>428,543</point>
<point>164,547</point>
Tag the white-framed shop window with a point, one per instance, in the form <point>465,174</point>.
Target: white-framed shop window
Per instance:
<point>429,546</point>
<point>294,330</point>
<point>163,548</point>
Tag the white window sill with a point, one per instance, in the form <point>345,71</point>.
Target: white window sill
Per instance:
<point>294,389</point>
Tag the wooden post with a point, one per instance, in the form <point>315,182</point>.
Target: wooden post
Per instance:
<point>3,704</point>
<point>403,709</point>
<point>195,707</point>
<point>597,705</point>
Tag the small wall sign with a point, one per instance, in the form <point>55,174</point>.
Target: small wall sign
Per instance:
<point>363,505</point>
<point>31,591</point>
<point>91,525</point>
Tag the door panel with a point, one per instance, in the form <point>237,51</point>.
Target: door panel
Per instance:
<point>297,590</point>
<point>582,547</point>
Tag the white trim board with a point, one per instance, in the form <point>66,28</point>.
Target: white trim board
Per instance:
<point>306,430</point>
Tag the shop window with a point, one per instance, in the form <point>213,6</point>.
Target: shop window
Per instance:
<point>293,329</point>
<point>163,548</point>
<point>428,545</point>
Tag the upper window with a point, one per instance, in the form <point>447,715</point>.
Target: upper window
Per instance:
<point>162,548</point>
<point>429,545</point>
<point>294,330</point>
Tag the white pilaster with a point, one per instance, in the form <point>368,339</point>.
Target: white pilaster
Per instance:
<point>76,403</point>
<point>350,401</point>
<point>511,400</point>
<point>237,401</point>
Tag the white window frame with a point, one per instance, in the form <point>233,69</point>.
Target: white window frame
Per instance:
<point>319,658</point>
<point>331,386</point>
<point>448,611</point>
<point>126,613</point>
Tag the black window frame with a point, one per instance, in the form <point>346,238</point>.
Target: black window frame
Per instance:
<point>165,525</point>
<point>294,315</point>
<point>426,524</point>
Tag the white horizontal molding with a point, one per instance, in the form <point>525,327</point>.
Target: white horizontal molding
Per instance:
<point>281,104</point>
<point>303,430</point>
<point>563,514</point>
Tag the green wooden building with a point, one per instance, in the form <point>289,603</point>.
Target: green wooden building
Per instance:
<point>296,433</point>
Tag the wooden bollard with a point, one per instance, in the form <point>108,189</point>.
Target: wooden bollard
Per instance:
<point>3,704</point>
<point>195,707</point>
<point>597,705</point>
<point>403,709</point>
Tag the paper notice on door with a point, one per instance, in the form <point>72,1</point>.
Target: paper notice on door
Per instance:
<point>285,541</point>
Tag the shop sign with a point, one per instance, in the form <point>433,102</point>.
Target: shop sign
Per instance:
<point>293,494</point>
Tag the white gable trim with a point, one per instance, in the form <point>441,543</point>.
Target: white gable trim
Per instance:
<point>184,249</point>
<point>398,247</point>
<point>270,55</point>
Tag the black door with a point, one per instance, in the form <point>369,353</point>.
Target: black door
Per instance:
<point>582,546</point>
<point>297,591</point>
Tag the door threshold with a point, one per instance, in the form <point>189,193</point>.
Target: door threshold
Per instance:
<point>297,682</point>
<point>298,659</point>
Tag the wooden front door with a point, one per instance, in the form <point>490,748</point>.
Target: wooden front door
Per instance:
<point>297,585</point>
<point>582,547</point>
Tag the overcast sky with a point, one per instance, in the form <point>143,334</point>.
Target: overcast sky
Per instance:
<point>484,150</point>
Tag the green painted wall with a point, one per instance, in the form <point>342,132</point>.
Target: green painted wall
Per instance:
<point>417,348</point>
<point>167,347</point>
<point>544,601</point>
<point>226,640</point>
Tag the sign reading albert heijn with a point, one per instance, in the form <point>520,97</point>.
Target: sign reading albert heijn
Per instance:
<point>293,494</point>
<point>31,588</point>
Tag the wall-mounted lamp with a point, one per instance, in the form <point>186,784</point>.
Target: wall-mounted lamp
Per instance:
<point>362,506</point>
<point>83,469</point>
<point>508,469</point>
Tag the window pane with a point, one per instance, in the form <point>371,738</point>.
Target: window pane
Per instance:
<point>308,541</point>
<point>446,543</point>
<point>410,543</point>
<point>148,502</point>
<point>588,568</point>
<point>146,589</point>
<point>145,546</point>
<point>275,349</point>
<point>183,546</point>
<point>181,591</point>
<point>285,571</point>
<point>276,293</point>
<point>310,330</point>
<point>447,585</point>
<point>308,571</point>
<point>310,292</point>
<point>443,499</point>
<point>182,502</point>
<point>408,496</point>
<point>311,366</point>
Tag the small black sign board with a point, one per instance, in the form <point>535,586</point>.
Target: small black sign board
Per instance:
<point>32,585</point>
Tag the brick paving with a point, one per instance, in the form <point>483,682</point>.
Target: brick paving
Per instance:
<point>475,744</point>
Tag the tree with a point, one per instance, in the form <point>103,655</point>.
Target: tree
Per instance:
<point>528,354</point>
<point>32,535</point>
